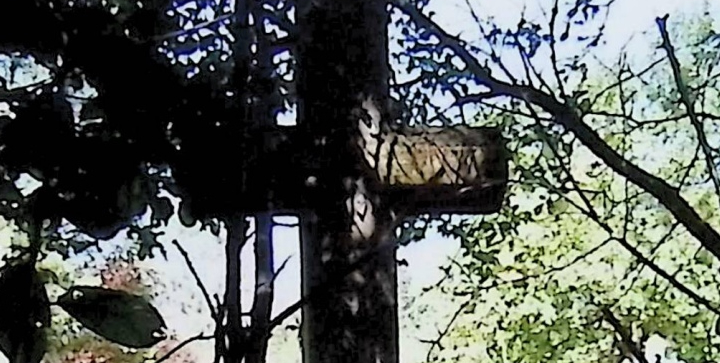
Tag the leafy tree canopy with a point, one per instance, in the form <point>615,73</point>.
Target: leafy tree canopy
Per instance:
<point>584,264</point>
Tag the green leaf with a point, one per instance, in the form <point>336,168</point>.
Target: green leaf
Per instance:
<point>559,206</point>
<point>24,313</point>
<point>547,150</point>
<point>584,106</point>
<point>212,225</point>
<point>117,316</point>
<point>147,237</point>
<point>9,192</point>
<point>704,257</point>
<point>90,111</point>
<point>162,209</point>
<point>185,214</point>
<point>410,234</point>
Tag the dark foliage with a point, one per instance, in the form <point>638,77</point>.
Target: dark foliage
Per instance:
<point>101,175</point>
<point>24,312</point>
<point>149,129</point>
<point>116,315</point>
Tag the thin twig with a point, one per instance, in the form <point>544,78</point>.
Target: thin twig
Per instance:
<point>437,341</point>
<point>167,355</point>
<point>283,224</point>
<point>687,102</point>
<point>493,54</point>
<point>321,290</point>
<point>626,338</point>
<point>590,212</point>
<point>198,281</point>
<point>198,27</point>
<point>281,268</point>
<point>623,80</point>
<point>553,49</point>
<point>575,260</point>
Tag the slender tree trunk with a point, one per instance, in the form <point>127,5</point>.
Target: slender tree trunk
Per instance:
<point>342,61</point>
<point>261,95</point>
<point>236,230</point>
<point>264,276</point>
<point>236,223</point>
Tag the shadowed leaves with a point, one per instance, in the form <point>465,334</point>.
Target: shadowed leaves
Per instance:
<point>24,313</point>
<point>118,316</point>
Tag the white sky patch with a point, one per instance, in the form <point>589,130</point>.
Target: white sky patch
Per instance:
<point>27,184</point>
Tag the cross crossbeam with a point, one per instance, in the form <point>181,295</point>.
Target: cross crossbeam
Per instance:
<point>457,170</point>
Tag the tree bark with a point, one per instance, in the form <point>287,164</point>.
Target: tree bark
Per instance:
<point>342,61</point>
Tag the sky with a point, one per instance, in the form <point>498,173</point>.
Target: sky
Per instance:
<point>627,18</point>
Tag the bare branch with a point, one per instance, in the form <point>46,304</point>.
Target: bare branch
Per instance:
<point>625,336</point>
<point>687,102</point>
<point>546,272</point>
<point>437,341</point>
<point>553,51</point>
<point>590,212</point>
<point>321,290</point>
<point>570,118</point>
<point>177,348</point>
<point>281,268</point>
<point>198,281</point>
<point>623,80</point>
<point>493,54</point>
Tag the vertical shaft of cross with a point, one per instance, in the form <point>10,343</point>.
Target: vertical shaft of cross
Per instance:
<point>342,61</point>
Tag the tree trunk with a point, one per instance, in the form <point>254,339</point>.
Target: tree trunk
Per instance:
<point>236,238</point>
<point>236,223</point>
<point>264,278</point>
<point>342,61</point>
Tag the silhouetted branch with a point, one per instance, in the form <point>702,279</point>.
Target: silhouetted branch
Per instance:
<point>685,99</point>
<point>237,236</point>
<point>570,118</point>
<point>623,80</point>
<point>198,281</point>
<point>625,336</point>
<point>177,348</point>
<point>281,268</point>
<point>289,225</point>
<point>320,290</point>
<point>590,212</point>
<point>437,342</point>
<point>264,289</point>
<point>553,50</point>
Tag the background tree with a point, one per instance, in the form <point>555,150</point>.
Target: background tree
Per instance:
<point>591,259</point>
<point>139,144</point>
